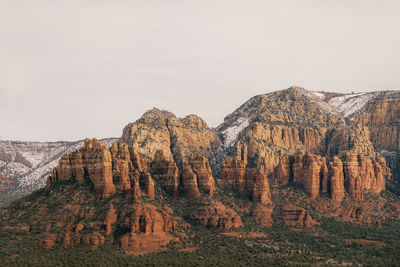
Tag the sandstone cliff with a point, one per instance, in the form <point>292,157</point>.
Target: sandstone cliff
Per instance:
<point>175,137</point>
<point>197,175</point>
<point>166,172</point>
<point>122,168</point>
<point>216,215</point>
<point>251,182</point>
<point>93,161</point>
<point>149,229</point>
<point>298,136</point>
<point>272,142</point>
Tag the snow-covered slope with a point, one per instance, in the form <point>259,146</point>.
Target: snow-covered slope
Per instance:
<point>239,120</point>
<point>345,106</point>
<point>349,104</point>
<point>26,165</point>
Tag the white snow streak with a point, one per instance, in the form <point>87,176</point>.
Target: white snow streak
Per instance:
<point>232,132</point>
<point>318,94</point>
<point>29,163</point>
<point>350,104</point>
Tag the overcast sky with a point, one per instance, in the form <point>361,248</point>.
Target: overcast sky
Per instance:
<point>75,69</point>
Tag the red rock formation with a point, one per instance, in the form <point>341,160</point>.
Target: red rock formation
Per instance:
<point>336,179</point>
<point>122,165</point>
<point>130,172</point>
<point>94,161</point>
<point>110,219</point>
<point>177,138</point>
<point>364,173</point>
<point>216,215</point>
<point>201,168</point>
<point>354,212</point>
<point>283,172</point>
<point>49,241</point>
<point>382,117</point>
<point>311,171</point>
<point>197,174</point>
<point>257,185</point>
<point>78,228</point>
<point>92,240</point>
<point>251,182</point>
<point>165,172</point>
<point>147,184</point>
<point>356,174</point>
<point>297,217</point>
<point>135,193</point>
<point>148,229</point>
<point>189,182</point>
<point>232,173</point>
<point>262,214</point>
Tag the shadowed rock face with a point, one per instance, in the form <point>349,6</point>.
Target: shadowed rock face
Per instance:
<point>196,171</point>
<point>251,182</point>
<point>166,172</point>
<point>311,171</point>
<point>336,178</point>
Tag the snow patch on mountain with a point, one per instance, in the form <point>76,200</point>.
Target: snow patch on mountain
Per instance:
<point>234,130</point>
<point>318,94</point>
<point>317,98</point>
<point>28,164</point>
<point>351,103</point>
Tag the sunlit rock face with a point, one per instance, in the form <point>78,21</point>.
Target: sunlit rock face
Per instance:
<point>92,162</point>
<point>323,141</point>
<point>160,130</point>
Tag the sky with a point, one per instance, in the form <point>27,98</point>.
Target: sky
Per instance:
<point>80,68</point>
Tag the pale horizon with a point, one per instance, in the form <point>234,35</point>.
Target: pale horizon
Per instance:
<point>77,69</point>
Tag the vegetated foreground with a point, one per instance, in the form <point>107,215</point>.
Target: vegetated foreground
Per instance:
<point>293,177</point>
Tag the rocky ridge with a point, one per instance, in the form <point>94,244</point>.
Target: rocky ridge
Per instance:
<point>272,147</point>
<point>28,164</point>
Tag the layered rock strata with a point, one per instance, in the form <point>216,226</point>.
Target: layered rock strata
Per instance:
<point>196,176</point>
<point>121,167</point>
<point>215,214</point>
<point>176,138</point>
<point>337,154</point>
<point>251,182</point>
<point>356,174</point>
<point>296,217</point>
<point>93,161</point>
<point>149,228</point>
<point>166,173</point>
